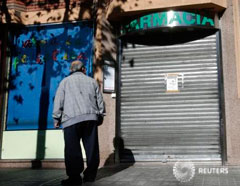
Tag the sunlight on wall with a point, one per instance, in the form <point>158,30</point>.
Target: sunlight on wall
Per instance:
<point>23,145</point>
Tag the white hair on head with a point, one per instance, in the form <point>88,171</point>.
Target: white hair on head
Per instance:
<point>76,66</point>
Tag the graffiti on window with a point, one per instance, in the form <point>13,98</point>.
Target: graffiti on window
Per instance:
<point>40,59</point>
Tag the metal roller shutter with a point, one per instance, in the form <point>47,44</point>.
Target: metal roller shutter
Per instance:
<point>160,126</point>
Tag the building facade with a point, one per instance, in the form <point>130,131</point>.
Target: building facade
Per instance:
<point>169,72</point>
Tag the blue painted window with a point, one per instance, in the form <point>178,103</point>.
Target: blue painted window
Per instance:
<point>40,59</point>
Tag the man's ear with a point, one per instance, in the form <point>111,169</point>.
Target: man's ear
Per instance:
<point>84,70</point>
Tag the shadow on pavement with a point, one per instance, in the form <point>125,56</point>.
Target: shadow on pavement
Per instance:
<point>126,160</point>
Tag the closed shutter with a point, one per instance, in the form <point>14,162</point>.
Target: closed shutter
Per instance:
<point>166,126</point>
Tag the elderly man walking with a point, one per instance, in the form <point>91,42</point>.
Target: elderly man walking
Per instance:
<point>79,108</point>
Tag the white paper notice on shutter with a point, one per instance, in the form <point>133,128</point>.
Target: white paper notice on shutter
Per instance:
<point>172,82</point>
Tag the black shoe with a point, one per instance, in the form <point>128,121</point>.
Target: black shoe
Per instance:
<point>72,182</point>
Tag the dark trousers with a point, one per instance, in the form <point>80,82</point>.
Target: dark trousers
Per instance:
<point>87,131</point>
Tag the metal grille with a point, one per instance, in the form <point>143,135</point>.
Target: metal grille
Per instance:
<point>167,126</point>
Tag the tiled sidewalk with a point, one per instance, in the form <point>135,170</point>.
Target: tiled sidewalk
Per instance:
<point>123,175</point>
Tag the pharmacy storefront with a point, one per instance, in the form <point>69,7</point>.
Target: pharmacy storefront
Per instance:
<point>169,82</point>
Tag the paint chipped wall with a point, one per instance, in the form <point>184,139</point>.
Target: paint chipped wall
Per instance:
<point>45,15</point>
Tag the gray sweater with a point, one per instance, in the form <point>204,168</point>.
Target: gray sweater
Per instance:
<point>77,99</point>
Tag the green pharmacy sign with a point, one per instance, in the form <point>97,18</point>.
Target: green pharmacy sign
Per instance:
<point>168,19</point>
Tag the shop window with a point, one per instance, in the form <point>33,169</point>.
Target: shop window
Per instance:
<point>40,59</point>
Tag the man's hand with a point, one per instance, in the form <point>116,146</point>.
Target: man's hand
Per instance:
<point>56,124</point>
<point>100,120</point>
